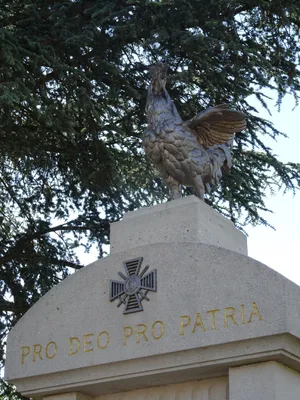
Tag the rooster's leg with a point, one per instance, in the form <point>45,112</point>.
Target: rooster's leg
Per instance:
<point>174,186</point>
<point>199,187</point>
<point>176,193</point>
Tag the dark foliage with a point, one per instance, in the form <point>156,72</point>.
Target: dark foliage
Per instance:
<point>72,93</point>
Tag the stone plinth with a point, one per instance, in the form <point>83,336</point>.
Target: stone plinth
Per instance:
<point>186,220</point>
<point>215,312</point>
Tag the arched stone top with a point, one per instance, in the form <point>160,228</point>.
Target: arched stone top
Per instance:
<point>205,296</point>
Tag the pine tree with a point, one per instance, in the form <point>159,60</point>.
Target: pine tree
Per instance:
<point>73,78</point>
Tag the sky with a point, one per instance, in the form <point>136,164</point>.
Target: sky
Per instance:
<point>277,248</point>
<point>280,249</point>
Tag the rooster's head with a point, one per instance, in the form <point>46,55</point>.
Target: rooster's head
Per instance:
<point>158,74</point>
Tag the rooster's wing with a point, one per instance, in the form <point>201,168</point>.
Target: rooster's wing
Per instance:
<point>216,125</point>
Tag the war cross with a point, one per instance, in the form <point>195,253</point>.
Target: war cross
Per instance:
<point>135,287</point>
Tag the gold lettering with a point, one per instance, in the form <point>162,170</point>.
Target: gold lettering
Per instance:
<point>141,332</point>
<point>182,324</point>
<point>231,316</point>
<point>213,320</point>
<point>243,314</point>
<point>162,330</point>
<point>254,311</point>
<point>199,322</point>
<point>24,354</point>
<point>127,335</point>
<point>99,338</point>
<point>49,356</point>
<point>77,341</point>
<point>37,349</point>
<point>87,342</point>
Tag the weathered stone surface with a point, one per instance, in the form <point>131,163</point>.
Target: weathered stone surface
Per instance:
<point>264,381</point>
<point>208,389</point>
<point>214,309</point>
<point>193,280</point>
<point>183,220</point>
<point>70,396</point>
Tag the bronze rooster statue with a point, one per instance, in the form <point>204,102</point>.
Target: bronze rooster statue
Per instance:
<point>190,153</point>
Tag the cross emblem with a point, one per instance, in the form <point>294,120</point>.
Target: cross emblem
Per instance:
<point>135,287</point>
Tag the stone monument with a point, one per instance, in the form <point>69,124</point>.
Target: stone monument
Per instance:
<point>177,311</point>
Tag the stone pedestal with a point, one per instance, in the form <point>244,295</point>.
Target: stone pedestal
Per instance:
<point>264,381</point>
<point>211,324</point>
<point>185,220</point>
